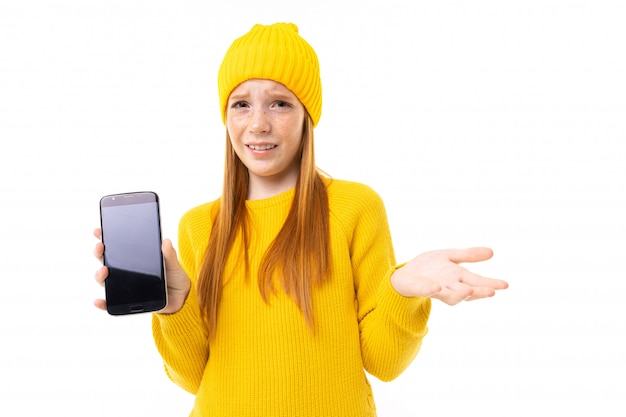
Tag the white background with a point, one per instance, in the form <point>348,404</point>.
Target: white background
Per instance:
<point>492,123</point>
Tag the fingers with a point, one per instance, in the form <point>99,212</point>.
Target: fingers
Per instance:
<point>454,293</point>
<point>103,272</point>
<point>471,287</point>
<point>476,280</point>
<point>481,292</point>
<point>482,287</point>
<point>101,275</point>
<point>101,304</point>
<point>98,251</point>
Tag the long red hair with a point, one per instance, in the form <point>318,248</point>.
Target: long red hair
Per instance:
<point>300,254</point>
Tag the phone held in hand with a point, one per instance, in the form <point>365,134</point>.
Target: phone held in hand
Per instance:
<point>131,234</point>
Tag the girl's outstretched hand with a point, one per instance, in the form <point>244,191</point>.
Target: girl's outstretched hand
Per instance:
<point>437,274</point>
<point>178,284</point>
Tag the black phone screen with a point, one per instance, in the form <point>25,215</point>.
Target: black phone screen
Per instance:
<point>131,234</point>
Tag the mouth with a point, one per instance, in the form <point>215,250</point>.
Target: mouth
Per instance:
<point>265,147</point>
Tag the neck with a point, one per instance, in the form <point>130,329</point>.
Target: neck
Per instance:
<point>260,188</point>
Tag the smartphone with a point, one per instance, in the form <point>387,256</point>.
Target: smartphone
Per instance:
<point>131,234</point>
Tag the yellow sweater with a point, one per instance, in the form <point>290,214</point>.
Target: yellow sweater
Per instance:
<point>265,361</point>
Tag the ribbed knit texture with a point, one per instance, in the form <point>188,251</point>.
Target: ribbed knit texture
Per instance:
<point>275,52</point>
<point>265,361</point>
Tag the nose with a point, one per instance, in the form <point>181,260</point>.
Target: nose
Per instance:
<point>259,122</point>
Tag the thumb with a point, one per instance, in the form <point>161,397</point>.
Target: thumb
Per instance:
<point>170,256</point>
<point>475,254</point>
<point>178,284</point>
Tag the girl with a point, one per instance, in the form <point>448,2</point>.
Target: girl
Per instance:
<point>286,289</point>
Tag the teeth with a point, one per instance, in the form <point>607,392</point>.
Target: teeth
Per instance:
<point>261,147</point>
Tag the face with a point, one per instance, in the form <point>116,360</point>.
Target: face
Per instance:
<point>265,122</point>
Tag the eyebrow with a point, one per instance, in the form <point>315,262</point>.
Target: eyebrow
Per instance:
<point>273,95</point>
<point>236,97</point>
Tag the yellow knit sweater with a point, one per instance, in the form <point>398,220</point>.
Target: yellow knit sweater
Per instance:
<point>265,360</point>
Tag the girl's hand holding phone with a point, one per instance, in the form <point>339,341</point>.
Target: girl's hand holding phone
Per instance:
<point>178,284</point>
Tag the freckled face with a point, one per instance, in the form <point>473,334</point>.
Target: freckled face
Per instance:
<point>265,122</point>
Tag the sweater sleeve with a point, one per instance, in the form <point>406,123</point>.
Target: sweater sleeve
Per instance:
<point>391,326</point>
<point>181,337</point>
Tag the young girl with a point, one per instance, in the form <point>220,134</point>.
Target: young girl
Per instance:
<point>287,289</point>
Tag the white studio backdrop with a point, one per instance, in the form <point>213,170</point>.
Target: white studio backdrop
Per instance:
<point>494,123</point>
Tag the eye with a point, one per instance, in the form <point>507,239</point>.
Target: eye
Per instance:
<point>282,104</point>
<point>239,105</point>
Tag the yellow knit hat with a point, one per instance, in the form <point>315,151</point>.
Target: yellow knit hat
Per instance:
<point>275,52</point>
